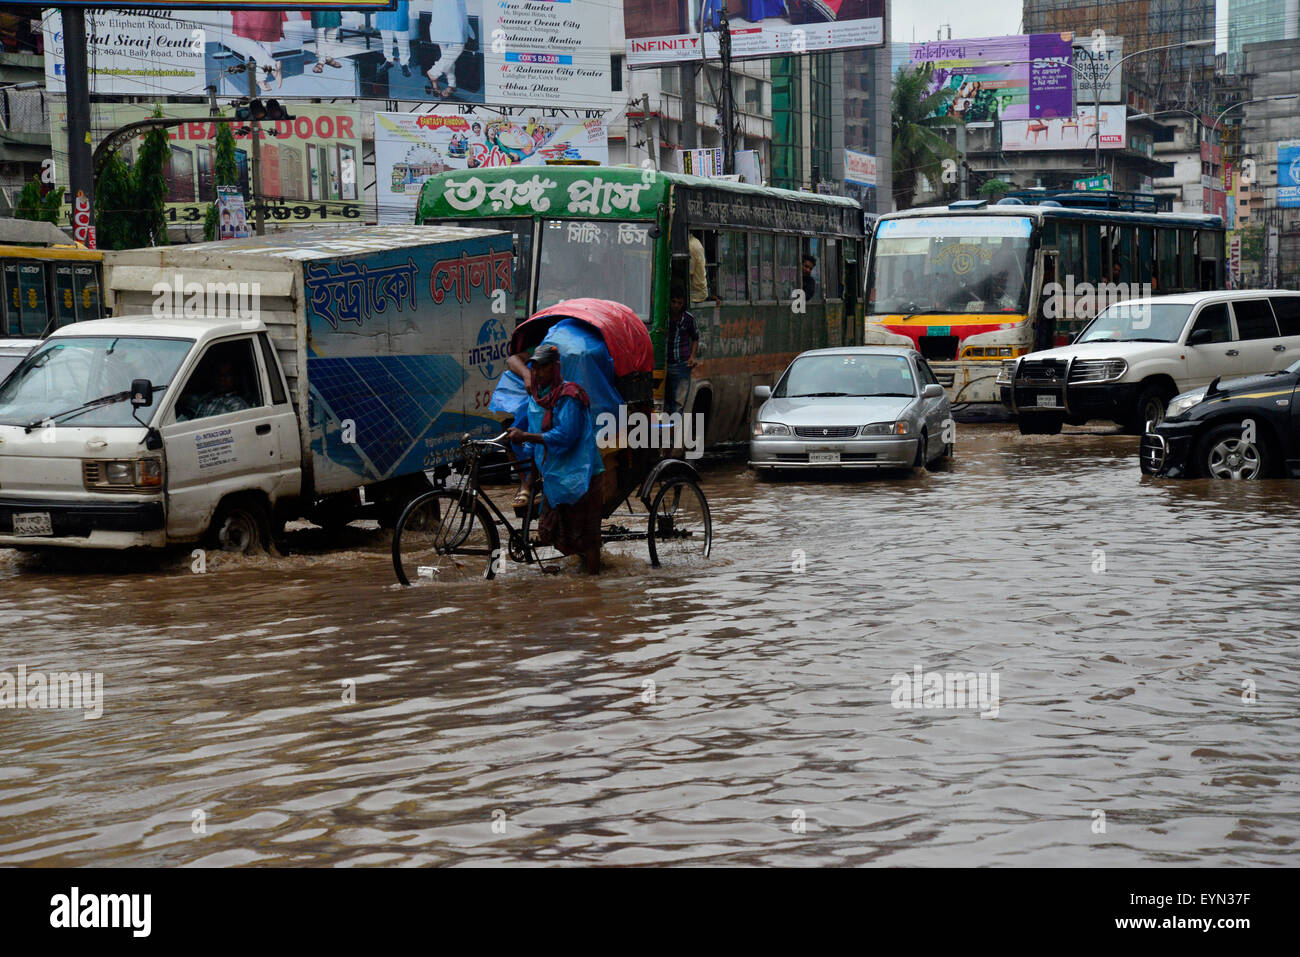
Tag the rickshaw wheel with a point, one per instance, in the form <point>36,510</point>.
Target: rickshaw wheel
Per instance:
<point>681,528</point>
<point>439,539</point>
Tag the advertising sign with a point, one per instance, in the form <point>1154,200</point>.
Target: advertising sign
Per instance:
<point>1234,261</point>
<point>1069,132</point>
<point>1094,182</point>
<point>1001,78</point>
<point>1288,174</point>
<point>409,148</point>
<point>705,162</point>
<point>668,31</point>
<point>309,165</point>
<point>232,222</point>
<point>1093,60</point>
<point>859,168</point>
<point>466,51</point>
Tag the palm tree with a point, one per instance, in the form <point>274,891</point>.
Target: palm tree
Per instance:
<point>918,114</point>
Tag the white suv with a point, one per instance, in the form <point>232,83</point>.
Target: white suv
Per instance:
<point>1138,354</point>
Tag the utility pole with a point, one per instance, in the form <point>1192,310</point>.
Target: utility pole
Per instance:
<point>728,100</point>
<point>256,198</point>
<point>81,175</point>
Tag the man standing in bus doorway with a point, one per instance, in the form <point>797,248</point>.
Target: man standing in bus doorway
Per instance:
<point>699,270</point>
<point>561,439</point>
<point>683,338</point>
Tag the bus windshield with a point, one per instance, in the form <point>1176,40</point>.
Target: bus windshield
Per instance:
<point>952,264</point>
<point>595,259</point>
<point>90,374</point>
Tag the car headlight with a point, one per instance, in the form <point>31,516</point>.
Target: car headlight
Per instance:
<point>1181,403</point>
<point>1007,372</point>
<point>884,428</point>
<point>771,428</point>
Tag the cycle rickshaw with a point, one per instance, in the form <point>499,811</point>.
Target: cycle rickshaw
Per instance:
<point>455,531</point>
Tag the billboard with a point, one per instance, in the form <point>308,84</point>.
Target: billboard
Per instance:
<point>669,31</point>
<point>464,51</point>
<point>410,148</point>
<point>310,165</point>
<point>1094,58</point>
<point>1068,132</point>
<point>1001,78</point>
<point>859,168</point>
<point>1288,174</point>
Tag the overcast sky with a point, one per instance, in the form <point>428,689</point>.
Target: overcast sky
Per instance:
<point>918,20</point>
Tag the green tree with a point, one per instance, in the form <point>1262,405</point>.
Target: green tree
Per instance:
<point>918,115</point>
<point>129,200</point>
<point>227,174</point>
<point>996,187</point>
<point>35,202</point>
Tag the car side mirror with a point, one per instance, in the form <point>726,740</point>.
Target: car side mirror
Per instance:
<point>763,392</point>
<point>1200,337</point>
<point>141,392</point>
<point>932,391</point>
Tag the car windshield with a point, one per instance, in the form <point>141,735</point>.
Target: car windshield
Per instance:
<point>829,376</point>
<point>66,373</point>
<point>598,260</point>
<point>1138,321</point>
<point>951,264</point>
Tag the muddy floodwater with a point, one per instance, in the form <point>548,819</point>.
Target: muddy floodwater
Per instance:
<point>1136,641</point>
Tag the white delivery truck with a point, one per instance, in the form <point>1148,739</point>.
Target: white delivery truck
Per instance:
<point>248,382</point>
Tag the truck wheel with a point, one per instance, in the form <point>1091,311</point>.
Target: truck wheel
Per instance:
<point>242,526</point>
<point>1150,407</point>
<point>1226,453</point>
<point>1040,424</point>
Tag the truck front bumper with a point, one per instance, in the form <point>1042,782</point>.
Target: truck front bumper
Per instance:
<point>87,523</point>
<point>1079,402</point>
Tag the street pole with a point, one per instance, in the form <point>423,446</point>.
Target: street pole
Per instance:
<point>81,174</point>
<point>728,104</point>
<point>686,77</point>
<point>258,225</point>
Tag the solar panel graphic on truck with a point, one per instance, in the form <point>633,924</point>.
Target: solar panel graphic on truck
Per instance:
<point>391,401</point>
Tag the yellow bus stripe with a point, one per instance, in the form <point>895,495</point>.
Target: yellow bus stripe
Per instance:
<point>49,252</point>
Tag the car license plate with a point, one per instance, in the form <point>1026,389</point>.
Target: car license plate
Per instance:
<point>823,458</point>
<point>1046,401</point>
<point>32,523</point>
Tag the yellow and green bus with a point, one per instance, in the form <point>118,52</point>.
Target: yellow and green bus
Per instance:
<point>623,233</point>
<point>47,280</point>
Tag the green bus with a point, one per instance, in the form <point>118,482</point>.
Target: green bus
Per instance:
<point>622,233</point>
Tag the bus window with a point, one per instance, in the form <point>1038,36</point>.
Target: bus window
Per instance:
<point>1167,256</point>
<point>787,267</point>
<point>65,294</point>
<point>767,266</point>
<point>1121,256</point>
<point>755,266</point>
<point>1210,251</point>
<point>1069,261</point>
<point>1186,259</point>
<point>831,270</point>
<point>812,247</point>
<point>731,266</point>
<point>522,231</point>
<point>1146,255</point>
<point>34,307</point>
<point>1094,268</point>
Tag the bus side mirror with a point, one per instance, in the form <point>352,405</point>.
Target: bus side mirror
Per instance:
<point>141,392</point>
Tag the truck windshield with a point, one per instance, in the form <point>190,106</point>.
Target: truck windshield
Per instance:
<point>1138,322</point>
<point>596,259</point>
<point>68,372</point>
<point>952,264</point>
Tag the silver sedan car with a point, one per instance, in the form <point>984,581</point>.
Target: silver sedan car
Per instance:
<point>857,407</point>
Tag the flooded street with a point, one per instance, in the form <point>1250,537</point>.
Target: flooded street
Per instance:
<point>737,712</point>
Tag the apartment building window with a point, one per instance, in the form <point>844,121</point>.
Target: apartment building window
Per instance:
<point>616,72</point>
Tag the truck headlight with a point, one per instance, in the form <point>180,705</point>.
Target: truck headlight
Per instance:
<point>1182,403</point>
<point>148,473</point>
<point>123,474</point>
<point>1007,372</point>
<point>771,428</point>
<point>119,473</point>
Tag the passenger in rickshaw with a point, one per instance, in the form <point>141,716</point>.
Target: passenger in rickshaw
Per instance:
<point>561,438</point>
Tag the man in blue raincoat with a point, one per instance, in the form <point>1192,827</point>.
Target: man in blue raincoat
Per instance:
<point>562,437</point>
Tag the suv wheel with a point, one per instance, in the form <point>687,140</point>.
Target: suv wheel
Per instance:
<point>1150,407</point>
